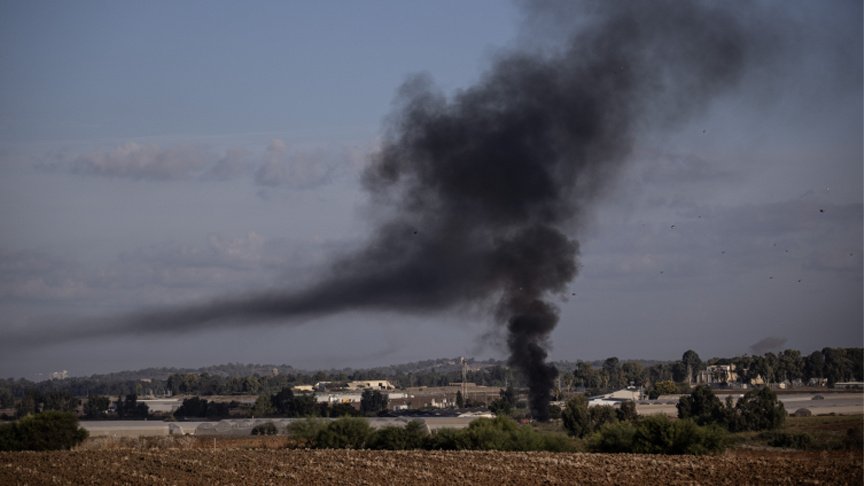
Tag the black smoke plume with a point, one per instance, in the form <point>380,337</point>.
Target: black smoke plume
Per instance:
<point>487,185</point>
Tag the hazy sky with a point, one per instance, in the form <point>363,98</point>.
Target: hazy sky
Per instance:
<point>167,153</point>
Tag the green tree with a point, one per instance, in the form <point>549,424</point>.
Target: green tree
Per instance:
<point>601,415</point>
<point>663,387</point>
<point>60,401</point>
<point>372,402</point>
<point>263,406</point>
<point>633,373</point>
<point>183,383</point>
<point>586,376</point>
<point>575,417</point>
<point>267,428</point>
<point>659,435</point>
<point>760,409</point>
<point>702,406</point>
<point>837,367</point>
<point>27,405</point>
<point>790,366</point>
<point>344,433</point>
<point>612,375</point>
<point>814,366</point>
<point>283,402</point>
<point>411,436</point>
<point>692,363</point>
<point>96,406</point>
<point>342,410</point>
<point>460,400</point>
<point>42,432</point>
<point>131,408</point>
<point>627,412</point>
<point>192,407</point>
<point>304,406</point>
<point>250,385</point>
<point>505,403</point>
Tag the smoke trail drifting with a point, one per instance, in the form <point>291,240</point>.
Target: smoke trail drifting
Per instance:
<point>486,183</point>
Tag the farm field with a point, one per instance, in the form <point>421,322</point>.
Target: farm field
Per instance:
<point>230,463</point>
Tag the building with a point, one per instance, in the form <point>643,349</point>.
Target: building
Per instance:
<point>370,385</point>
<point>630,393</point>
<point>718,375</point>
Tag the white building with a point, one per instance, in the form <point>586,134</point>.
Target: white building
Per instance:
<point>371,384</point>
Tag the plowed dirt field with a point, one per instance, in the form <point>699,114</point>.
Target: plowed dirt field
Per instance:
<point>323,467</point>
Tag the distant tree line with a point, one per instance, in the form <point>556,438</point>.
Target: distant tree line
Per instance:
<point>830,365</point>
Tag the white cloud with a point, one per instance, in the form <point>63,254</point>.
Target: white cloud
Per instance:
<point>295,169</point>
<point>32,275</point>
<point>149,162</point>
<point>278,165</point>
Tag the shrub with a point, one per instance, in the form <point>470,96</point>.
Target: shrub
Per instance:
<point>267,428</point>
<point>853,439</point>
<point>306,430</point>
<point>627,412</point>
<point>659,435</point>
<point>602,415</point>
<point>790,440</point>
<point>500,434</point>
<point>702,406</point>
<point>760,409</point>
<point>42,432</point>
<point>344,433</point>
<point>614,437</point>
<point>411,436</point>
<point>575,417</point>
<point>447,440</point>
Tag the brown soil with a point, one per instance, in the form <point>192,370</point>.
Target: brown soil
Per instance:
<point>233,465</point>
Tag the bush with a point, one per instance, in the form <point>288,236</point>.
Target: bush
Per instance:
<point>702,406</point>
<point>627,412</point>
<point>42,432</point>
<point>447,440</point>
<point>659,435</point>
<point>500,434</point>
<point>854,439</point>
<point>789,440</point>
<point>614,437</point>
<point>344,433</point>
<point>575,417</point>
<point>411,436</point>
<point>267,428</point>
<point>306,430</point>
<point>760,409</point>
<point>602,415</point>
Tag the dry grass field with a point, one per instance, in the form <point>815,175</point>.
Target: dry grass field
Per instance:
<point>265,461</point>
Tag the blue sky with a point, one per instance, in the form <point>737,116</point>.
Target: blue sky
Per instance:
<point>164,153</point>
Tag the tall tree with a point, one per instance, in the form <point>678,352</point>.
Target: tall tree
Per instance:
<point>372,402</point>
<point>692,363</point>
<point>814,366</point>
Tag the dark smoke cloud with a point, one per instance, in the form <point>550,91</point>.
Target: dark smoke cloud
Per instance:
<point>486,185</point>
<point>768,344</point>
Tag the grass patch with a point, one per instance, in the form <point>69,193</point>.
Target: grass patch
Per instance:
<point>820,433</point>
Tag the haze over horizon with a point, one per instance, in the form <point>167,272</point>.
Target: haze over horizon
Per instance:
<point>168,154</point>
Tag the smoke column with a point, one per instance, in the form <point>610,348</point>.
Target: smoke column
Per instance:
<point>485,186</point>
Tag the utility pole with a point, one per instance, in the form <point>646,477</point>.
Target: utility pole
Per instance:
<point>464,387</point>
